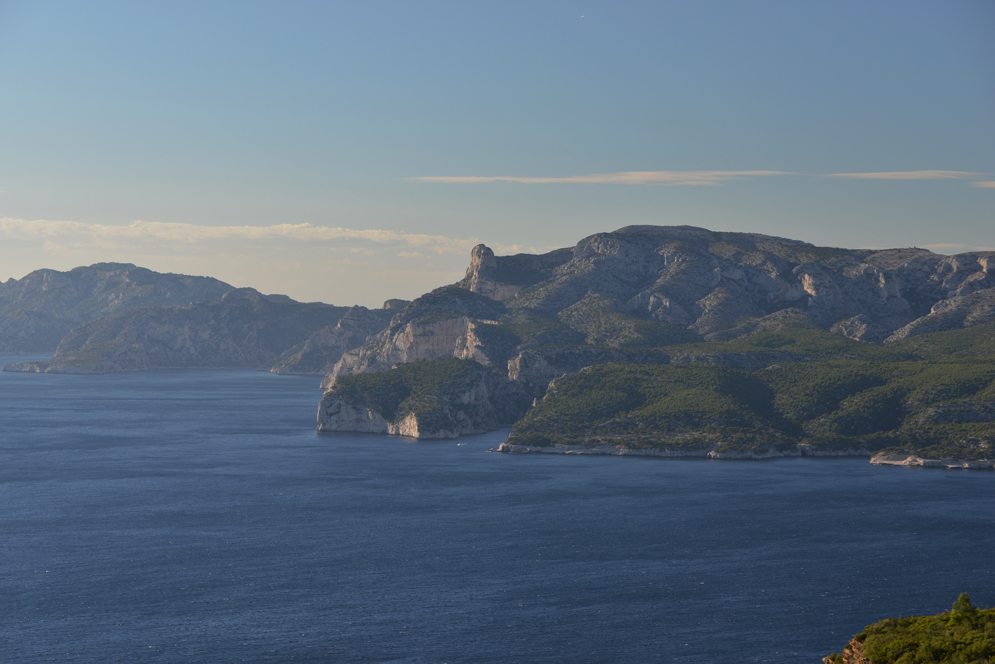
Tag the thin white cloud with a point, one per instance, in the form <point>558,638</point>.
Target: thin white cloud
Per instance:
<point>907,175</point>
<point>695,178</point>
<point>670,178</point>
<point>306,261</point>
<point>986,184</point>
<point>947,248</point>
<point>181,236</point>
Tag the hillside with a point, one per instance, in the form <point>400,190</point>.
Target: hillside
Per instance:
<point>244,329</point>
<point>963,635</point>
<point>37,311</point>
<point>718,343</point>
<point>877,401</point>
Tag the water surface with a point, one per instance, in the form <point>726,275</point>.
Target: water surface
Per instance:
<point>187,516</point>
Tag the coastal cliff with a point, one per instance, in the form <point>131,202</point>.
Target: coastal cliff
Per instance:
<point>324,348</point>
<point>792,349</point>
<point>438,399</point>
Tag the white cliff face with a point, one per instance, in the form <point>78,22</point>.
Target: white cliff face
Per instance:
<point>416,340</point>
<point>967,310</point>
<point>481,276</point>
<point>337,415</point>
<point>707,286</point>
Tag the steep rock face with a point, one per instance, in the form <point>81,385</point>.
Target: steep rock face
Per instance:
<point>318,355</point>
<point>650,295</point>
<point>36,312</point>
<point>852,654</point>
<point>966,310</point>
<point>437,325</point>
<point>651,286</point>
<point>245,329</point>
<point>461,398</point>
<point>501,278</point>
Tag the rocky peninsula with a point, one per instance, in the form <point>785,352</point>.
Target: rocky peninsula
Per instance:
<point>680,341</point>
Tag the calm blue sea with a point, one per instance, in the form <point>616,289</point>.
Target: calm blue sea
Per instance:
<point>196,516</point>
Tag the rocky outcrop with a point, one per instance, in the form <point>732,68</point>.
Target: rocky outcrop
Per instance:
<point>36,312</point>
<point>318,355</point>
<point>501,278</point>
<point>459,398</point>
<point>650,295</point>
<point>245,329</point>
<point>653,286</point>
<point>913,461</point>
<point>954,312</point>
<point>437,325</point>
<point>853,653</point>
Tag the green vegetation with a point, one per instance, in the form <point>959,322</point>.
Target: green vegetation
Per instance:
<point>930,407</point>
<point>655,405</point>
<point>809,343</point>
<point>411,387</point>
<point>975,341</point>
<point>963,635</point>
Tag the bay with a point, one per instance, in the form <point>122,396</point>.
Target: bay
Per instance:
<point>196,516</point>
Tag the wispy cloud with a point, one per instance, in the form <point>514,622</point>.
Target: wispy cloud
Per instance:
<point>987,184</point>
<point>693,178</point>
<point>907,175</point>
<point>947,248</point>
<point>180,235</point>
<point>671,178</point>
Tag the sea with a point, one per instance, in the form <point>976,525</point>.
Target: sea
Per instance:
<point>197,516</point>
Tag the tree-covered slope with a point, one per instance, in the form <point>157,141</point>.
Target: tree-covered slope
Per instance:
<point>963,635</point>
<point>836,394</point>
<point>440,398</point>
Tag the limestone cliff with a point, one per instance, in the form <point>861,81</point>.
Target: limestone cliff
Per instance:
<point>325,347</point>
<point>651,295</point>
<point>437,399</point>
<point>652,286</point>
<point>437,325</point>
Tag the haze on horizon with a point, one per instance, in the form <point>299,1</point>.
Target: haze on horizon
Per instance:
<point>354,152</point>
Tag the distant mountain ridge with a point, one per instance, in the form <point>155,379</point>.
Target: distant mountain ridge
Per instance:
<point>37,311</point>
<point>119,317</point>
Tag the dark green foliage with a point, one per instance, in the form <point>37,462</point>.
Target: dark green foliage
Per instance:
<point>653,334</point>
<point>975,341</point>
<point>933,408</point>
<point>965,635</point>
<point>642,404</point>
<point>806,342</point>
<point>411,387</point>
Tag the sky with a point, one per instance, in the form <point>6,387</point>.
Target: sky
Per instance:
<point>350,152</point>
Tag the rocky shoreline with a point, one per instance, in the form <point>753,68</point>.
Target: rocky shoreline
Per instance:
<point>913,461</point>
<point>711,453</point>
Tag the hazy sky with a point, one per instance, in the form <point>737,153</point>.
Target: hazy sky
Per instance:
<point>354,151</point>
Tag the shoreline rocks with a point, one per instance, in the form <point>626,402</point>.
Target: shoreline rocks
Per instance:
<point>913,461</point>
<point>710,452</point>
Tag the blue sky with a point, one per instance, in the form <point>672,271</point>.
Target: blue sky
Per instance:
<point>341,151</point>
